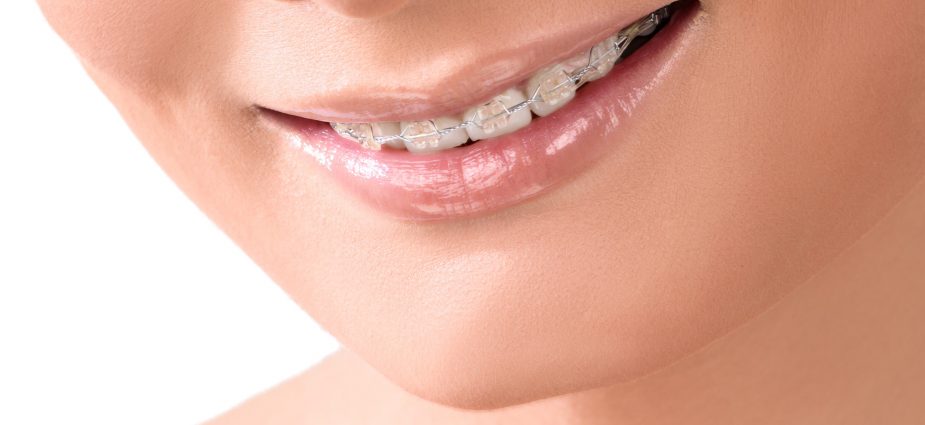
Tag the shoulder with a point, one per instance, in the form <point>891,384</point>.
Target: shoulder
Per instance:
<point>326,393</point>
<point>343,390</point>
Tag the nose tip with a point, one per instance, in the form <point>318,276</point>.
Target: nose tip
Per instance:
<point>363,9</point>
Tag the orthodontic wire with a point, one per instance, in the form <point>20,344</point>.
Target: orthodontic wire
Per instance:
<point>624,38</point>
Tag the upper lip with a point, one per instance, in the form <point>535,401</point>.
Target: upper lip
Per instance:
<point>447,82</point>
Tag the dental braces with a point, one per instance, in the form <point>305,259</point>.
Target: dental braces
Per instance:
<point>568,82</point>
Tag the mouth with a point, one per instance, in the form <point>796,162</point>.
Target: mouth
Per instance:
<point>504,150</point>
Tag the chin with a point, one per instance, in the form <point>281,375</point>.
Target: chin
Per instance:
<point>498,336</point>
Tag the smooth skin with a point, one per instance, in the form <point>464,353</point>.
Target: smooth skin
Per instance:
<point>753,253</point>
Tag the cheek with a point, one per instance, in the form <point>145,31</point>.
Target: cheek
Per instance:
<point>151,46</point>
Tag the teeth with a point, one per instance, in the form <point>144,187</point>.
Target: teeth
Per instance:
<point>547,91</point>
<point>361,133</point>
<point>424,136</point>
<point>603,57</point>
<point>493,118</point>
<point>647,30</point>
<point>385,129</point>
<point>551,89</point>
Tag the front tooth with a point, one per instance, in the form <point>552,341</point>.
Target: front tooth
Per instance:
<point>551,89</point>
<point>361,133</point>
<point>423,136</point>
<point>492,119</point>
<point>386,129</point>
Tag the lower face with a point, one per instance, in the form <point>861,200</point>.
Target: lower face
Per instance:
<point>747,143</point>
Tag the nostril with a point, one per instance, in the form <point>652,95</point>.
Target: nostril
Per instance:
<point>363,9</point>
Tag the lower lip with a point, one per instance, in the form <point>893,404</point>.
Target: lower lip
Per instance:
<point>496,173</point>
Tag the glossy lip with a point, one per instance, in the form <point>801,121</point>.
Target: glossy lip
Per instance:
<point>495,173</point>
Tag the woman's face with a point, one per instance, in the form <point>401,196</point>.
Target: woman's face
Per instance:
<point>753,142</point>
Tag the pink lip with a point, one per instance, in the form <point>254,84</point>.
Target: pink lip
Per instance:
<point>496,173</point>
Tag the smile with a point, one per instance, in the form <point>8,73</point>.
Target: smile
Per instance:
<point>547,91</point>
<point>505,150</point>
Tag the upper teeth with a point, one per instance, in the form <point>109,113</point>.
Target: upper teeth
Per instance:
<point>547,91</point>
<point>496,118</point>
<point>433,135</point>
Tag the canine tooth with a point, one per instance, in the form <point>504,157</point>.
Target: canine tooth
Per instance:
<point>492,119</point>
<point>385,129</point>
<point>551,89</point>
<point>361,133</point>
<point>424,137</point>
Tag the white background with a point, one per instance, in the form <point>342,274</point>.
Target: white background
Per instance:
<point>120,303</point>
